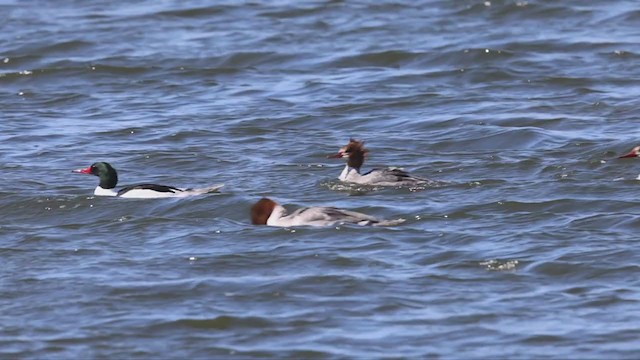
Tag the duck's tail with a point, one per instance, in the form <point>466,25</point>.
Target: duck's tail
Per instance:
<point>393,222</point>
<point>205,190</point>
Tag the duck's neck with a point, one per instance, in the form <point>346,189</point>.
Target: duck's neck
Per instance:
<point>276,215</point>
<point>348,171</point>
<point>108,180</point>
<point>356,159</point>
<point>100,191</point>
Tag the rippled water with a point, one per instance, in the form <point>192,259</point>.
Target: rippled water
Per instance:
<point>526,248</point>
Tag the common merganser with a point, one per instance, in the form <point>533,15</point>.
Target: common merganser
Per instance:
<point>635,152</point>
<point>109,178</point>
<point>268,212</point>
<point>355,153</point>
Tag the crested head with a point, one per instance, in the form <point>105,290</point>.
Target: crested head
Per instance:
<point>355,146</point>
<point>355,152</point>
<point>261,211</point>
<point>635,152</point>
<point>107,174</point>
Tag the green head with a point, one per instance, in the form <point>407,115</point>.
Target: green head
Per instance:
<point>107,174</point>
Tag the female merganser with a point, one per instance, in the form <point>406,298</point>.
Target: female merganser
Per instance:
<point>635,152</point>
<point>109,178</point>
<point>355,153</point>
<point>267,212</point>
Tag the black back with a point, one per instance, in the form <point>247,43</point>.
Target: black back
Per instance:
<point>154,187</point>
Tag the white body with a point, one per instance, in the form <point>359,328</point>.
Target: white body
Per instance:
<point>323,216</point>
<point>151,194</point>
<point>380,177</point>
<point>104,192</point>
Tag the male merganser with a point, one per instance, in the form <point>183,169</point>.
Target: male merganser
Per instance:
<point>109,179</point>
<point>267,212</point>
<point>635,152</point>
<point>355,153</point>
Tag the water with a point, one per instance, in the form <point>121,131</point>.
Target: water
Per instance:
<point>528,248</point>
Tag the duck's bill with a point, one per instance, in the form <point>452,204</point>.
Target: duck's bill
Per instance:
<point>82,171</point>
<point>335,156</point>
<point>631,154</point>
